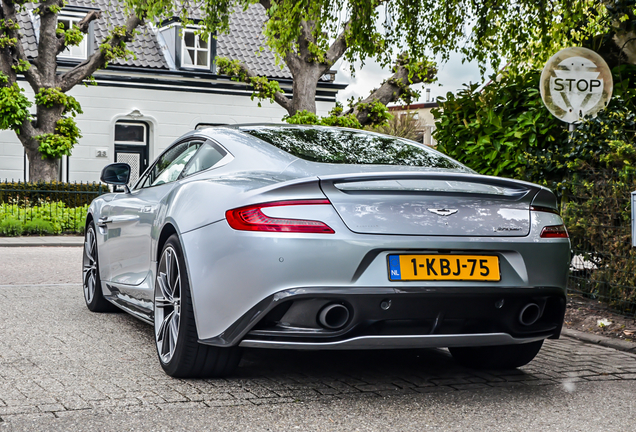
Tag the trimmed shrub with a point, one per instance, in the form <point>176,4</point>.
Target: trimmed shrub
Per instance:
<point>11,227</point>
<point>71,194</point>
<point>38,226</point>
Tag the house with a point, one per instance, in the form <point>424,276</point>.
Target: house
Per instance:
<point>421,113</point>
<point>142,104</point>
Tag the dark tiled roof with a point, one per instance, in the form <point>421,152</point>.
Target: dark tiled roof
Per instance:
<point>243,42</point>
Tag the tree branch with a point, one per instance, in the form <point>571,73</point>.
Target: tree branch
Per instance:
<point>87,20</point>
<point>13,55</point>
<point>392,89</point>
<point>339,46</point>
<point>245,74</point>
<point>99,57</point>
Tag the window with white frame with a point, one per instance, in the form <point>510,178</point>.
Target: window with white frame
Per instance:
<point>196,51</point>
<point>72,52</point>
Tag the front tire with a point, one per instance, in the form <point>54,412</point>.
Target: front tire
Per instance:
<point>91,280</point>
<point>180,353</point>
<point>497,357</point>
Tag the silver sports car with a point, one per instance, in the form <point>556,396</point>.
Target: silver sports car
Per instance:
<point>300,237</point>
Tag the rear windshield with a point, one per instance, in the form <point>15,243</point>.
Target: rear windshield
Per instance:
<point>344,146</point>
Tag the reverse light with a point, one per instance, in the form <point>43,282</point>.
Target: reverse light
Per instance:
<point>554,231</point>
<point>251,218</point>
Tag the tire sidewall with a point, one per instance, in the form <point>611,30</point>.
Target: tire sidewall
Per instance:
<point>93,304</point>
<point>183,338</point>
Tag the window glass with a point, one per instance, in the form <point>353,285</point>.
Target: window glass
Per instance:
<point>130,133</point>
<point>171,163</point>
<point>205,158</point>
<point>79,51</point>
<point>331,145</point>
<point>196,52</point>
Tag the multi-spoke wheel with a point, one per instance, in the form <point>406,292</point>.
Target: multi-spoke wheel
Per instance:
<point>180,353</point>
<point>91,281</point>
<point>167,304</point>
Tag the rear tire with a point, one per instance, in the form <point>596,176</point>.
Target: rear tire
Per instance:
<point>91,281</point>
<point>180,353</point>
<point>496,357</point>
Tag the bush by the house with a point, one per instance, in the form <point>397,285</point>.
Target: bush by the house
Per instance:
<point>11,227</point>
<point>56,217</point>
<point>71,194</point>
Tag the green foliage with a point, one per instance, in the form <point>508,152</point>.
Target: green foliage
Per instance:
<point>112,52</point>
<point>11,227</point>
<point>263,88</point>
<point>72,36</point>
<point>21,67</point>
<point>333,119</point>
<point>39,227</point>
<point>6,41</point>
<point>493,130</point>
<point>50,97</point>
<point>596,209</point>
<point>378,112</point>
<point>14,106</point>
<point>62,218</point>
<point>66,136</point>
<point>70,194</point>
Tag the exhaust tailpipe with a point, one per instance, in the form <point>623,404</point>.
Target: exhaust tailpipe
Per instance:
<point>333,316</point>
<point>530,314</point>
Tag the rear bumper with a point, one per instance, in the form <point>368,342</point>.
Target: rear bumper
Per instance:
<point>396,342</point>
<point>414,318</point>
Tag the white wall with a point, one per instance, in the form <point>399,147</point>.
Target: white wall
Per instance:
<point>170,114</point>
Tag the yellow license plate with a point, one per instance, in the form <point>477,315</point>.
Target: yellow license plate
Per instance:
<point>444,267</point>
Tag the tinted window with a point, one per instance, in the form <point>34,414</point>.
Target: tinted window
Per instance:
<point>351,147</point>
<point>171,163</point>
<point>206,157</point>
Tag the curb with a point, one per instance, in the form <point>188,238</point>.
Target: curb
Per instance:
<point>52,241</point>
<point>605,341</point>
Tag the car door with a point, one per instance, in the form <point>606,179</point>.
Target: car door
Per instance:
<point>132,216</point>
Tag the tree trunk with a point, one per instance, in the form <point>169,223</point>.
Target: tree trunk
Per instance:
<point>304,88</point>
<point>42,170</point>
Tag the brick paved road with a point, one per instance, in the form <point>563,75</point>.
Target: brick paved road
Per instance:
<point>58,359</point>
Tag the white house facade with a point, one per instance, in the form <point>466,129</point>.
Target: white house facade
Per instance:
<point>141,105</point>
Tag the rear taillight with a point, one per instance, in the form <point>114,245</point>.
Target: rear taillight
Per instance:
<point>251,218</point>
<point>544,209</point>
<point>554,231</point>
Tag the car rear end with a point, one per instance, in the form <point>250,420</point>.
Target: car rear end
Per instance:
<point>383,260</point>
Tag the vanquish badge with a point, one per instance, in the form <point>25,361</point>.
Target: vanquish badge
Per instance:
<point>443,211</point>
<point>576,82</point>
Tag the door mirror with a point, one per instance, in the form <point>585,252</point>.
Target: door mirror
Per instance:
<point>116,174</point>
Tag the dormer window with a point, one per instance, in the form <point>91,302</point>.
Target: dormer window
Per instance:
<point>195,51</point>
<point>70,21</point>
<point>184,49</point>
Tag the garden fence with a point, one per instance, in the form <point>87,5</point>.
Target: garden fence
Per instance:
<point>597,212</point>
<point>59,207</point>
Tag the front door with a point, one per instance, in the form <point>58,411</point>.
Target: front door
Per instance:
<point>131,147</point>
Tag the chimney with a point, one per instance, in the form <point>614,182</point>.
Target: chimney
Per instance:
<point>428,95</point>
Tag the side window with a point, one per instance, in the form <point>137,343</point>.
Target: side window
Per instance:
<point>171,163</point>
<point>208,156</point>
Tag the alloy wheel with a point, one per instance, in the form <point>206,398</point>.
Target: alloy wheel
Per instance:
<point>90,265</point>
<point>167,304</point>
